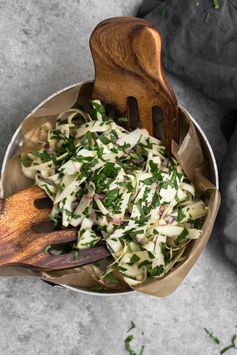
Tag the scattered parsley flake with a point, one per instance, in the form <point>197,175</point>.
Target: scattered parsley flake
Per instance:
<point>25,160</point>
<point>127,344</point>
<point>142,349</point>
<point>181,215</point>
<point>206,18</point>
<point>156,271</point>
<point>131,327</point>
<point>98,288</point>
<point>104,139</point>
<point>47,248</point>
<point>121,268</point>
<point>134,259</point>
<point>77,254</point>
<point>231,346</point>
<point>151,255</point>
<point>44,156</point>
<point>182,236</point>
<point>122,119</point>
<point>215,339</point>
<point>164,12</point>
<point>111,278</point>
<point>216,4</point>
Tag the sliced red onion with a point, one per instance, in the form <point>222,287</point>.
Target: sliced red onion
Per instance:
<point>136,161</point>
<point>117,221</point>
<point>169,219</point>
<point>50,150</point>
<point>100,196</point>
<point>88,197</point>
<point>166,162</point>
<point>92,217</point>
<point>139,238</point>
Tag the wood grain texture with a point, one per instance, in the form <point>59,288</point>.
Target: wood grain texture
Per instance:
<point>127,59</point>
<point>20,245</point>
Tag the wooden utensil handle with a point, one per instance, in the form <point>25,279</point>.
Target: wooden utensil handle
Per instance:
<point>127,58</point>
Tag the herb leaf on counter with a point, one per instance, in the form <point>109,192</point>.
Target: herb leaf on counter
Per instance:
<point>127,342</point>
<point>214,338</point>
<point>231,346</point>
<point>216,4</point>
<point>133,325</point>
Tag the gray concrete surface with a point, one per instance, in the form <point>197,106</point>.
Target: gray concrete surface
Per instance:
<point>43,48</point>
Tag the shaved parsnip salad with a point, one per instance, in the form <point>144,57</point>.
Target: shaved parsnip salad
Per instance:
<point>118,186</point>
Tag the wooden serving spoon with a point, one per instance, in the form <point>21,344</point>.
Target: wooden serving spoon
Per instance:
<point>20,245</point>
<point>129,75</point>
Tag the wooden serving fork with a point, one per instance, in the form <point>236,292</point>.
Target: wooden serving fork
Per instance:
<point>20,245</point>
<point>129,75</point>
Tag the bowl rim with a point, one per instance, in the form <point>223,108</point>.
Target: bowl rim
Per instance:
<point>69,87</point>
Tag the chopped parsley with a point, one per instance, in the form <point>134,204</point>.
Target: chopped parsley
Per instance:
<point>25,160</point>
<point>134,259</point>
<point>206,18</point>
<point>231,346</point>
<point>132,326</point>
<point>182,236</point>
<point>214,338</point>
<point>122,119</point>
<point>181,215</point>
<point>156,271</point>
<point>218,342</point>
<point>47,248</point>
<point>98,108</point>
<point>104,139</point>
<point>98,288</point>
<point>127,343</point>
<point>44,156</point>
<point>129,339</point>
<point>110,170</point>
<point>164,12</point>
<point>111,278</point>
<point>216,4</point>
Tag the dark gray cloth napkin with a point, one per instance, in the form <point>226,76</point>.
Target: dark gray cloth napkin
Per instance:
<point>200,47</point>
<point>199,43</point>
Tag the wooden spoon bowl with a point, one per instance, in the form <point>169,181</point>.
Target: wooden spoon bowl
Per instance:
<point>128,73</point>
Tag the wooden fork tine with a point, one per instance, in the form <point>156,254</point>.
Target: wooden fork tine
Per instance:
<point>60,236</point>
<point>19,210</point>
<point>32,191</point>
<point>66,261</point>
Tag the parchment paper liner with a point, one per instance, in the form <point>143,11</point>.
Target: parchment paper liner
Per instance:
<point>192,155</point>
